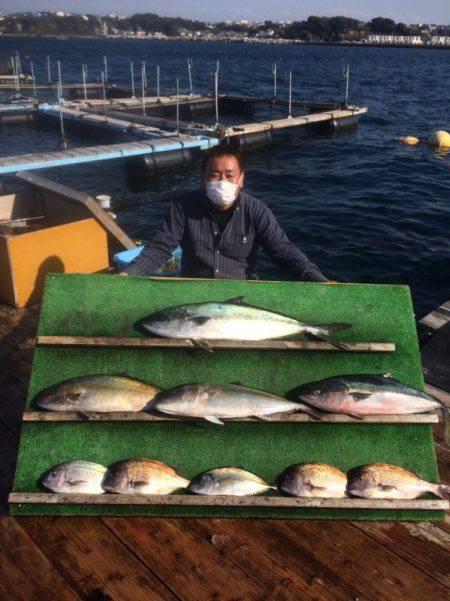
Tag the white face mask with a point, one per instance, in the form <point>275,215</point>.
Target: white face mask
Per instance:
<point>221,193</point>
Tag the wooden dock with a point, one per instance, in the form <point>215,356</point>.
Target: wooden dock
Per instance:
<point>134,559</point>
<point>290,122</point>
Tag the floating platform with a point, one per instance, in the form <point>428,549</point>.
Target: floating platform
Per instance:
<point>90,154</point>
<point>168,143</point>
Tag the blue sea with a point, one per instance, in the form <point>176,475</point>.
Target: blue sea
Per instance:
<point>364,207</point>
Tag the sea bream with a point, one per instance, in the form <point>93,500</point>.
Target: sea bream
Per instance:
<point>231,320</point>
<point>97,393</point>
<point>75,476</point>
<point>214,402</point>
<point>365,395</point>
<point>228,481</point>
<point>313,480</point>
<point>384,481</point>
<point>143,476</point>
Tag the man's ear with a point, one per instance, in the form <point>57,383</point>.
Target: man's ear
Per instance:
<point>241,181</point>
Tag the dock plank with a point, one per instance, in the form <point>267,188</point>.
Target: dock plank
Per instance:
<point>93,560</point>
<point>194,569</point>
<point>26,573</point>
<point>357,558</point>
<point>284,569</point>
<point>421,544</point>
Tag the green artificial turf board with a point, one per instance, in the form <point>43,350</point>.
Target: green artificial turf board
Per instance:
<point>102,305</point>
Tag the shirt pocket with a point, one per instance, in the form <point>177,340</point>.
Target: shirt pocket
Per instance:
<point>237,246</point>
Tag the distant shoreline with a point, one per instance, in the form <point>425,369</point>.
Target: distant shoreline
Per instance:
<point>267,42</point>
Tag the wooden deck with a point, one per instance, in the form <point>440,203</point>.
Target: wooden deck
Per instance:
<point>196,559</point>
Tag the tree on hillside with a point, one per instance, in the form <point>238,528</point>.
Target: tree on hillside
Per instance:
<point>382,26</point>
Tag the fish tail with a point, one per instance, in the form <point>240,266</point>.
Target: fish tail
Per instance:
<point>324,332</point>
<point>335,327</point>
<point>440,490</point>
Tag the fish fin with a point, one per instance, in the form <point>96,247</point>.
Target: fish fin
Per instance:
<point>360,418</point>
<point>360,396</point>
<point>213,419</point>
<point>327,329</point>
<point>387,487</point>
<point>76,482</point>
<point>198,319</point>
<point>238,383</point>
<point>237,300</point>
<point>203,344</point>
<point>263,418</point>
<point>136,483</point>
<point>335,327</point>
<point>90,416</point>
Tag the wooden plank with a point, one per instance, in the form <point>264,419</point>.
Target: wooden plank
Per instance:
<point>286,571</point>
<point>379,573</point>
<point>421,544</point>
<point>438,317</point>
<point>140,416</point>
<point>26,573</point>
<point>292,121</point>
<point>441,395</point>
<point>93,560</point>
<point>187,500</point>
<point>181,558</point>
<point>260,345</point>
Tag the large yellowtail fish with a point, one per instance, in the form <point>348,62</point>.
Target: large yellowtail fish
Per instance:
<point>97,393</point>
<point>231,320</point>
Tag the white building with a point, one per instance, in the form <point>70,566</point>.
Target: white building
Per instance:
<point>397,40</point>
<point>439,40</point>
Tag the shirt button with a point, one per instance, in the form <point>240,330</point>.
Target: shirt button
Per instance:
<point>217,252</point>
<point>217,271</point>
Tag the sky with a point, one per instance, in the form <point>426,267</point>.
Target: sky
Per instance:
<point>407,11</point>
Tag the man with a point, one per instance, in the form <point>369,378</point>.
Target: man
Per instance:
<point>220,229</point>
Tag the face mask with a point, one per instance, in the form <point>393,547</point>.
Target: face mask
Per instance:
<point>221,193</point>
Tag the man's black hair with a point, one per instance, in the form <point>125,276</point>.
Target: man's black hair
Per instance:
<point>222,150</point>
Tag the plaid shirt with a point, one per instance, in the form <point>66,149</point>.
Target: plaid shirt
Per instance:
<point>231,254</point>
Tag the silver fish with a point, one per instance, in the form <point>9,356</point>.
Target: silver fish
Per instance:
<point>75,476</point>
<point>98,393</point>
<point>231,320</point>
<point>215,402</point>
<point>143,476</point>
<point>365,395</point>
<point>228,481</point>
<point>384,481</point>
<point>313,480</point>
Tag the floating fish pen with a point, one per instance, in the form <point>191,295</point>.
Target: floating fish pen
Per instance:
<point>159,132</point>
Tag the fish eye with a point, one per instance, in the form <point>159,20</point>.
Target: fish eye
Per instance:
<point>317,391</point>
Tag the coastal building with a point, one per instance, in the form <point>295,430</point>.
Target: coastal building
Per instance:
<point>395,40</point>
